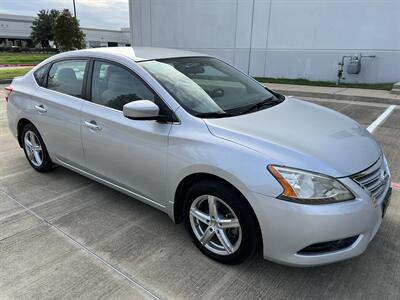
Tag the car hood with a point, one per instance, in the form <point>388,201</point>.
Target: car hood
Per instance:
<point>302,135</point>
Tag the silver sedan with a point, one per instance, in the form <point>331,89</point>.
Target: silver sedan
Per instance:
<point>242,166</point>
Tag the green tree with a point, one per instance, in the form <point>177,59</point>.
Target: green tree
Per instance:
<point>42,27</point>
<point>67,34</point>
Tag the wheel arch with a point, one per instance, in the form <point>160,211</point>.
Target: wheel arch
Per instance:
<point>189,180</point>
<point>21,124</point>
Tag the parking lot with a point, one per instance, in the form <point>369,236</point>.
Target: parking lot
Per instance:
<point>65,236</point>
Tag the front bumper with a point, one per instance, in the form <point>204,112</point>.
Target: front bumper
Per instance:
<point>289,227</point>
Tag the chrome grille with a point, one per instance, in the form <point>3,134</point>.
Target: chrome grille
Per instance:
<point>375,180</point>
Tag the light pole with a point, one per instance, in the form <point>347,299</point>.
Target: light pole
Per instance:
<point>74,9</point>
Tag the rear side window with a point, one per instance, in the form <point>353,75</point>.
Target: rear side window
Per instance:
<point>40,75</point>
<point>67,77</point>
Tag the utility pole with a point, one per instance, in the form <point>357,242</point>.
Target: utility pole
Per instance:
<point>74,9</point>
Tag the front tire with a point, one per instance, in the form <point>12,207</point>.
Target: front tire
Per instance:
<point>35,149</point>
<point>220,221</point>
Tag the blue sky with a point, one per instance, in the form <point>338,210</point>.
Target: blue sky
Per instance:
<point>107,14</point>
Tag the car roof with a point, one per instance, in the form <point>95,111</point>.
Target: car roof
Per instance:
<point>139,53</point>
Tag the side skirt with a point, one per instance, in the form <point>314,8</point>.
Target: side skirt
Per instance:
<point>112,185</point>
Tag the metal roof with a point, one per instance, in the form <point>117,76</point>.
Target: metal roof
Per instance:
<point>142,53</point>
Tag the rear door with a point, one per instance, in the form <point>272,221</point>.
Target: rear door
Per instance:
<point>129,153</point>
<point>58,105</point>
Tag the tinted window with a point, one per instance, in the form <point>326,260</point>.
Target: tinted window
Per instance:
<point>40,75</point>
<point>67,77</point>
<point>114,86</point>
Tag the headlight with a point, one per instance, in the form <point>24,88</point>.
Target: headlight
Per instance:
<point>309,188</point>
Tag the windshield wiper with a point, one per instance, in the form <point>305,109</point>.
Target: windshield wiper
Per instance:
<point>271,101</point>
<point>218,114</point>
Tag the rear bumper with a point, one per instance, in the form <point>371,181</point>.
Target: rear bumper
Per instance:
<point>289,227</point>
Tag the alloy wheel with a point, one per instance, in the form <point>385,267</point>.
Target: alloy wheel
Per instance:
<point>33,148</point>
<point>215,225</point>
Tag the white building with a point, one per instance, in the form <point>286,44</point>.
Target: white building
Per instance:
<point>278,38</point>
<point>106,38</point>
<point>15,31</point>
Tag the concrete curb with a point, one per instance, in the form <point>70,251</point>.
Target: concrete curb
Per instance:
<point>339,96</point>
<point>5,81</point>
<point>396,88</point>
<point>347,94</point>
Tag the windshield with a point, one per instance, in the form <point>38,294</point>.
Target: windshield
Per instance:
<point>208,87</point>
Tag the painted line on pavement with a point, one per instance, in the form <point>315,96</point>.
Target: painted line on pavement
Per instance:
<point>395,186</point>
<point>15,174</point>
<point>359,103</point>
<point>371,128</point>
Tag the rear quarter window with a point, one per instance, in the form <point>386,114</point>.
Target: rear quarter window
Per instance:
<point>40,75</point>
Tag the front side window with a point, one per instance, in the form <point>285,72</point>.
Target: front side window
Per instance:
<point>114,86</point>
<point>207,86</point>
<point>67,77</point>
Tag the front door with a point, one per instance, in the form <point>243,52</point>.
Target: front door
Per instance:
<point>129,153</point>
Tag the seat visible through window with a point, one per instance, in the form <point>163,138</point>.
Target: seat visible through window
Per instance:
<point>113,86</point>
<point>67,77</point>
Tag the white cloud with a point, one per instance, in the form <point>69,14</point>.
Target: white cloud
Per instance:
<point>101,3</point>
<point>108,14</point>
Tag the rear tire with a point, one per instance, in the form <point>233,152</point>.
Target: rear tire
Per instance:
<point>220,221</point>
<point>35,150</point>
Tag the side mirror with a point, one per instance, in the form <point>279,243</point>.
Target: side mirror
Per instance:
<point>141,110</point>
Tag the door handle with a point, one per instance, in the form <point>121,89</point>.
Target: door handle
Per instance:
<point>92,125</point>
<point>40,108</point>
